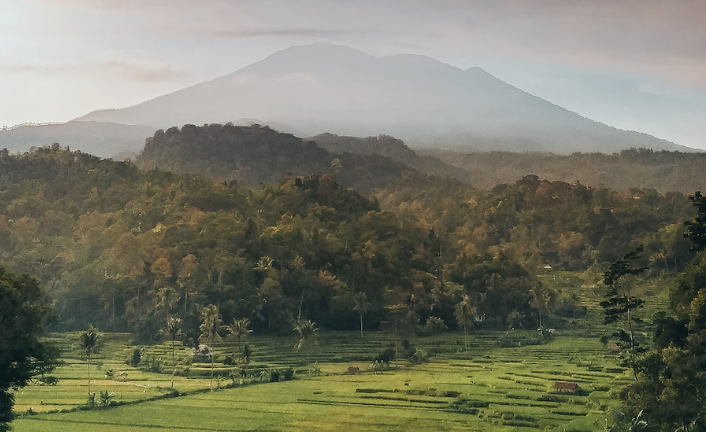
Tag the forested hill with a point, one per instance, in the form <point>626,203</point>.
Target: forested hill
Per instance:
<point>635,168</point>
<point>390,147</point>
<point>537,222</point>
<point>121,248</point>
<point>254,155</point>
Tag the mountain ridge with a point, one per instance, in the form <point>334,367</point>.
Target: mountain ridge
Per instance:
<point>338,89</point>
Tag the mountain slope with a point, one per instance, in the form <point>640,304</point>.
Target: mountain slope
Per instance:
<point>334,88</point>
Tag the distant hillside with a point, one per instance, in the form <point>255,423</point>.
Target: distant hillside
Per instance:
<point>661,170</point>
<point>258,154</point>
<point>390,147</point>
<point>338,89</point>
<point>97,138</point>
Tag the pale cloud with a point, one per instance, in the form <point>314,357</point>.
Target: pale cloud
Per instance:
<point>124,66</point>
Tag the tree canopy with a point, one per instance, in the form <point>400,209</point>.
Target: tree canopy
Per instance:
<point>23,356</point>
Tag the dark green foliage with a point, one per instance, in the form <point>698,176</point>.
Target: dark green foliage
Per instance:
<point>275,375</point>
<point>386,356</point>
<point>669,392</point>
<point>255,155</point>
<point>136,357</point>
<point>23,357</point>
<point>696,229</point>
<point>287,374</point>
<point>621,304</point>
<point>618,301</point>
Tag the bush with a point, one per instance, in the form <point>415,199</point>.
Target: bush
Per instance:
<point>386,356</point>
<point>434,325</point>
<point>274,375</point>
<point>134,361</point>
<point>419,356</point>
<point>106,398</point>
<point>288,374</point>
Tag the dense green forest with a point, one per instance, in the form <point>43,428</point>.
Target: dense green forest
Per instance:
<point>255,155</point>
<point>123,248</point>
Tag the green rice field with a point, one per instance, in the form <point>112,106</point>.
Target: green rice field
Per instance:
<point>488,388</point>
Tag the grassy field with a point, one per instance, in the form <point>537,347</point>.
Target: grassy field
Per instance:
<point>495,386</point>
<point>488,388</point>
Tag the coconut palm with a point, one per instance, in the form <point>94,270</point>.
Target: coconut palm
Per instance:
<point>540,300</point>
<point>166,300</point>
<point>172,332</point>
<point>88,342</point>
<point>465,313</point>
<point>240,330</point>
<point>210,327</point>
<point>362,306</point>
<point>307,334</point>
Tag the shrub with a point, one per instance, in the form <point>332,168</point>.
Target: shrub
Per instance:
<point>134,361</point>
<point>419,356</point>
<point>106,398</point>
<point>386,356</point>
<point>288,374</point>
<point>274,375</point>
<point>434,325</point>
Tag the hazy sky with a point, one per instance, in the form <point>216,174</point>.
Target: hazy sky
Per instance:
<point>633,64</point>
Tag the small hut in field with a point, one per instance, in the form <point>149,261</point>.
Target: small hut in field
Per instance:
<point>567,387</point>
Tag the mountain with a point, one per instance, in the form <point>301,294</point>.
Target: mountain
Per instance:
<point>338,89</point>
<point>98,138</point>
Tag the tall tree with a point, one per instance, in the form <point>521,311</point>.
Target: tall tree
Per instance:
<point>172,332</point>
<point>88,342</point>
<point>362,306</point>
<point>210,327</point>
<point>23,357</point>
<point>621,304</point>
<point>541,299</point>
<point>465,314</point>
<point>670,388</point>
<point>306,331</point>
<point>240,329</point>
<point>696,229</point>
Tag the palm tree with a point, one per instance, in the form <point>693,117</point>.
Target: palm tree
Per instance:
<point>166,300</point>
<point>88,341</point>
<point>307,332</point>
<point>210,328</point>
<point>362,306</point>
<point>540,299</point>
<point>172,332</point>
<point>240,330</point>
<point>465,313</point>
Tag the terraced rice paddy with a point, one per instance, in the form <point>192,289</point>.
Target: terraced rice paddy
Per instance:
<point>488,388</point>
